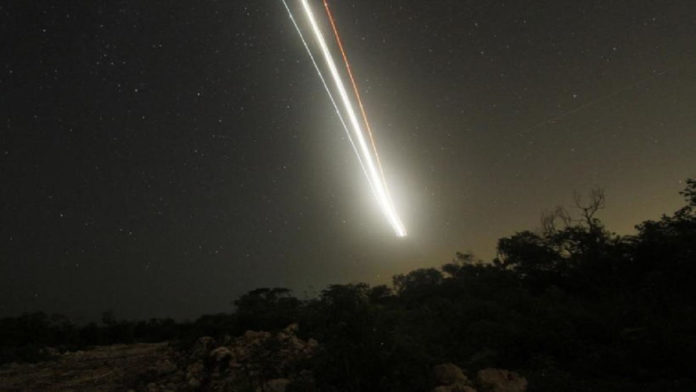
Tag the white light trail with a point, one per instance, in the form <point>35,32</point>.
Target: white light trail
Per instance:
<point>378,185</point>
<point>326,86</point>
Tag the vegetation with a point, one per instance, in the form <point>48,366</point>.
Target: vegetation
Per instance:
<point>573,307</point>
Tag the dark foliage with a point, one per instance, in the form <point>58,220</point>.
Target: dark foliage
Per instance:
<point>574,308</point>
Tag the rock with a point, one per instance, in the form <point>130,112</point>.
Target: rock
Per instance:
<point>292,328</point>
<point>49,351</point>
<point>451,379</point>
<point>276,385</point>
<point>164,367</point>
<point>202,347</point>
<point>194,383</point>
<point>221,353</point>
<point>449,374</point>
<point>256,336</point>
<point>194,373</point>
<point>501,380</point>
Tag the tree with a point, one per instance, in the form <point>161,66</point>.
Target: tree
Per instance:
<point>267,309</point>
<point>417,281</point>
<point>589,209</point>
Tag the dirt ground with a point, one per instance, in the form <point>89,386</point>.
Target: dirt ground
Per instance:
<point>102,369</point>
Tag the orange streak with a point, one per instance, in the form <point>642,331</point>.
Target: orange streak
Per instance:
<point>355,87</point>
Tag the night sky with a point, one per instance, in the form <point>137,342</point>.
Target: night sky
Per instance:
<point>161,158</point>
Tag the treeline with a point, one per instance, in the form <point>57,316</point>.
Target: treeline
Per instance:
<point>571,306</point>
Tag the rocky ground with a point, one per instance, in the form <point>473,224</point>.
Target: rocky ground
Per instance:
<point>256,361</point>
<point>451,378</point>
<point>108,368</point>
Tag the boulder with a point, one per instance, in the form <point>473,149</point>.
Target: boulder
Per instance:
<point>202,347</point>
<point>501,380</point>
<point>292,329</point>
<point>251,337</point>
<point>449,374</point>
<point>221,353</point>
<point>194,373</point>
<point>194,383</point>
<point>164,367</point>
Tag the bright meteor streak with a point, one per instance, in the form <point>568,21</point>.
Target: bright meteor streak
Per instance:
<point>326,87</point>
<point>355,87</point>
<point>378,184</point>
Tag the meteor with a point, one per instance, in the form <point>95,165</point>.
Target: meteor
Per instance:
<point>326,87</point>
<point>356,91</point>
<point>364,153</point>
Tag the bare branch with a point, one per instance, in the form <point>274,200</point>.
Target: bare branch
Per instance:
<point>550,220</point>
<point>588,210</point>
